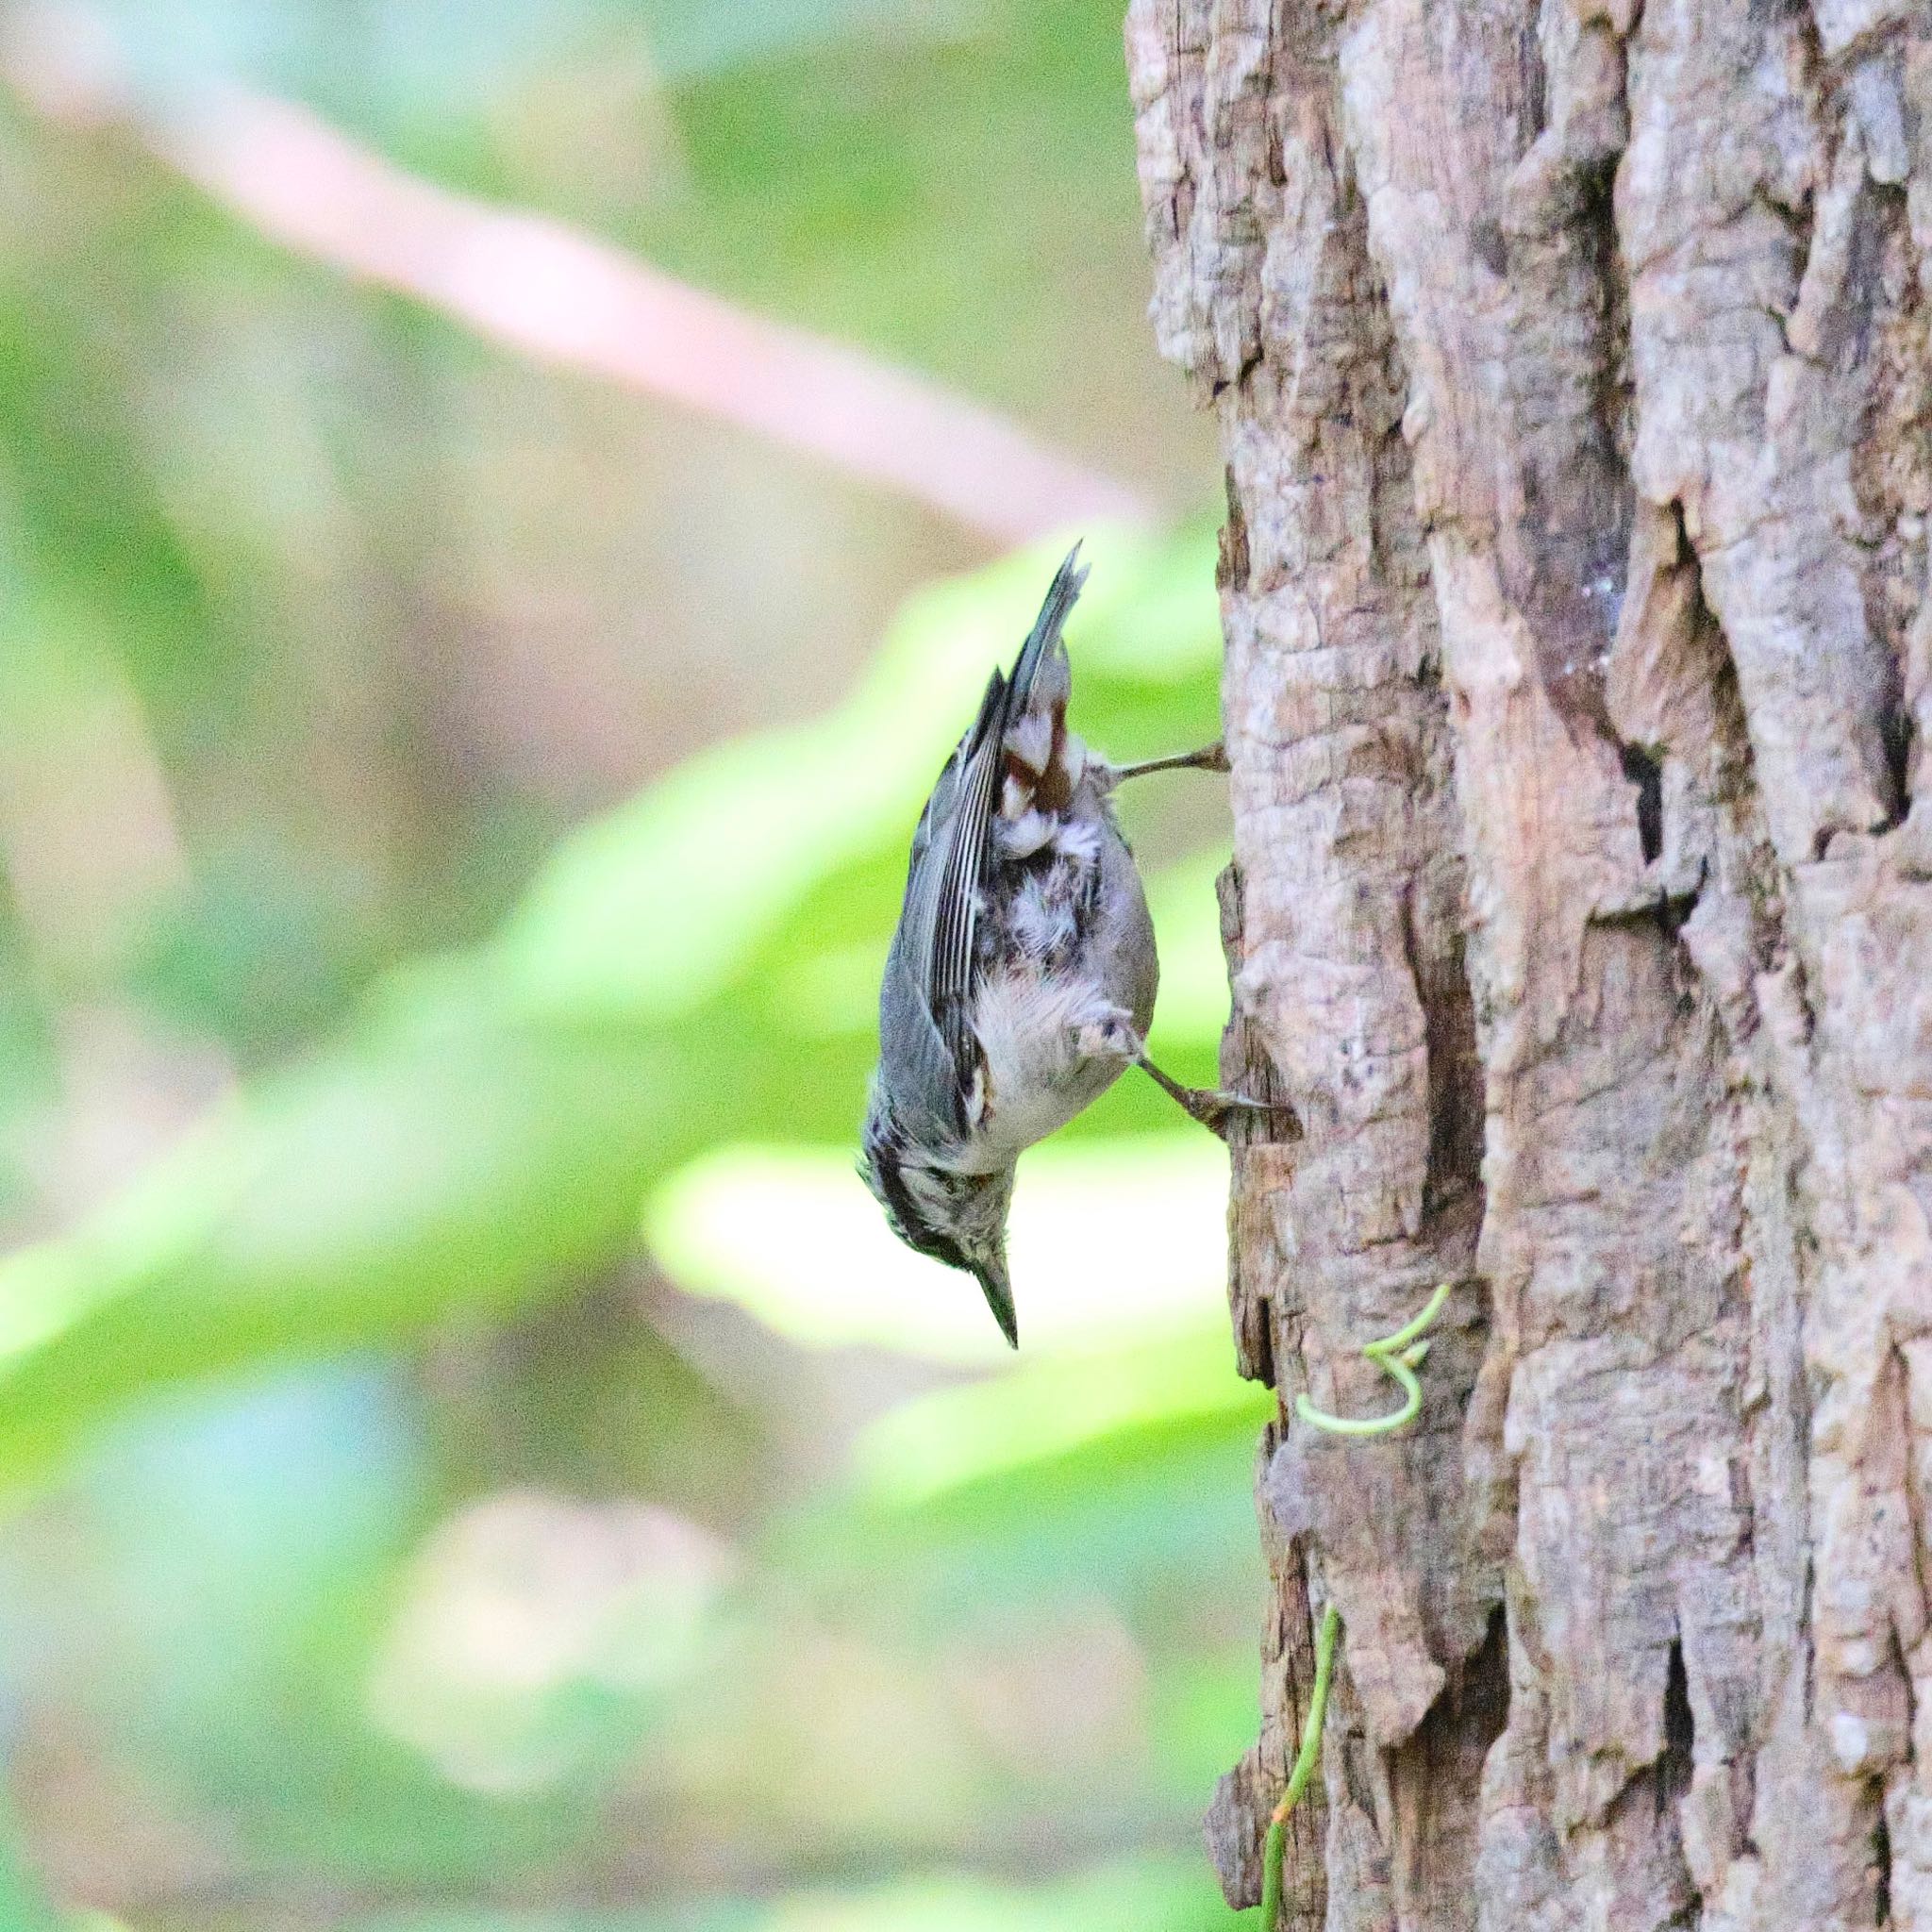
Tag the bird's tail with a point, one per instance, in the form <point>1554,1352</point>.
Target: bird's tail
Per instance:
<point>1041,763</point>
<point>1062,594</point>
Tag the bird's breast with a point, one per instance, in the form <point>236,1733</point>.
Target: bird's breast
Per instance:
<point>1029,1025</point>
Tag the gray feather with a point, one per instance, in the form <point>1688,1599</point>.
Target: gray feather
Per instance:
<point>926,1002</point>
<point>1061,595</point>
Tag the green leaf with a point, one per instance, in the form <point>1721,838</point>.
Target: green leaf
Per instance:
<point>782,1230</point>
<point>490,1128</point>
<point>23,1907</point>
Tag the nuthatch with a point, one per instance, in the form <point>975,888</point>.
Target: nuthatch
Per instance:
<point>1021,978</point>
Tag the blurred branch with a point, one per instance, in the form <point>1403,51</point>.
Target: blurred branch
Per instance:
<point>547,290</point>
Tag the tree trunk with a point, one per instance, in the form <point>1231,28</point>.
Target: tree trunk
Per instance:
<point>1572,379</point>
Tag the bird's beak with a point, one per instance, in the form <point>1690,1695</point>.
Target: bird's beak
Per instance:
<point>999,1298</point>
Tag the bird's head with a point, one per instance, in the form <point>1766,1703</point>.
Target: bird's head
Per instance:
<point>959,1219</point>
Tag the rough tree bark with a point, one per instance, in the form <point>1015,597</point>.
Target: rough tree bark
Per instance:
<point>1573,376</point>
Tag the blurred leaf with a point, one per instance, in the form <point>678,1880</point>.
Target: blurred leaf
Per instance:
<point>960,206</point>
<point>1193,971</point>
<point>1118,1512</point>
<point>538,1634</point>
<point>1157,1895</point>
<point>361,1199</point>
<point>588,1398</point>
<point>22,1905</point>
<point>392,63</point>
<point>1049,1408</point>
<point>325,541</point>
<point>1107,1243</point>
<point>494,1124</point>
<point>710,38</point>
<point>85,534</point>
<point>383,60</point>
<point>257,952</point>
<point>783,845</point>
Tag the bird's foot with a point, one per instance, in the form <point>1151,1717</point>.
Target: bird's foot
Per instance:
<point>1210,757</point>
<point>1214,1108</point>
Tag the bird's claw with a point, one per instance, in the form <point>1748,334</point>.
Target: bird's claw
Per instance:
<point>1215,1110</point>
<point>1209,758</point>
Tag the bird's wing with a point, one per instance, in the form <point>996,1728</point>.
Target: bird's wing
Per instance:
<point>953,975</point>
<point>961,853</point>
<point>925,1006</point>
<point>925,1032</point>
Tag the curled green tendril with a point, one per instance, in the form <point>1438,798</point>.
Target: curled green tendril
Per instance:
<point>1399,1354</point>
<point>1275,1849</point>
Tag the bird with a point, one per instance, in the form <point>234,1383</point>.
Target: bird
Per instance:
<point>1020,982</point>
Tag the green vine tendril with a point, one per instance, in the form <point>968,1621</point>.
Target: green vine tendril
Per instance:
<point>1305,1762</point>
<point>1399,1354</point>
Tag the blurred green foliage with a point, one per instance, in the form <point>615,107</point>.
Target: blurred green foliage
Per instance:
<point>492,1121</point>
<point>473,1456</point>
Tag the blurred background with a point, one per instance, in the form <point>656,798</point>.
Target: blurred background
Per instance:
<point>502,512</point>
